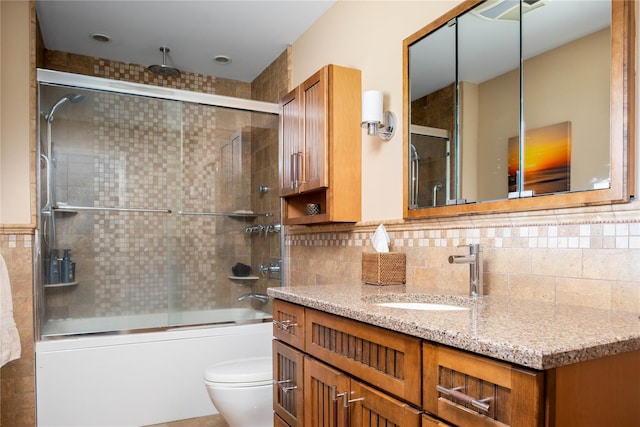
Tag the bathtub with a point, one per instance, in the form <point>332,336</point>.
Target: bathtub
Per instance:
<point>137,379</point>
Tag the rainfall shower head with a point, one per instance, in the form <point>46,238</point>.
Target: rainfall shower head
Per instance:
<point>70,97</point>
<point>164,69</point>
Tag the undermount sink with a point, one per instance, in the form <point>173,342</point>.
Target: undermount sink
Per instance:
<point>428,306</point>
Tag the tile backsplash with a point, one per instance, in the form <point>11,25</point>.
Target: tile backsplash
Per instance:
<point>585,257</point>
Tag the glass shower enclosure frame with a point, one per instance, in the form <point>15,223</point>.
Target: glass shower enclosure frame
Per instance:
<point>146,200</point>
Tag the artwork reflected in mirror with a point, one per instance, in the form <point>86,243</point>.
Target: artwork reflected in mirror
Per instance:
<point>546,161</point>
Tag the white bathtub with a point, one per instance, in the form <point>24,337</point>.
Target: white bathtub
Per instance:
<point>137,379</point>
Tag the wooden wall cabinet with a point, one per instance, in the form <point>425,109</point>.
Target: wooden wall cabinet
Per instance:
<point>320,147</point>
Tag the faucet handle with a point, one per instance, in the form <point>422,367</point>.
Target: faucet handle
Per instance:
<point>474,248</point>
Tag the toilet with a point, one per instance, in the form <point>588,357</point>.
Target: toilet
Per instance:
<point>242,391</point>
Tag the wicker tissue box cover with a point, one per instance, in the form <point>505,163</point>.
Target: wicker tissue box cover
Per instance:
<point>384,268</point>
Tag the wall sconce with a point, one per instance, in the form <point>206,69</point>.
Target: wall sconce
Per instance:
<point>373,118</point>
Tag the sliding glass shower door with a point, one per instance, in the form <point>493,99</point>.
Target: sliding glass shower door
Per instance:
<point>144,203</point>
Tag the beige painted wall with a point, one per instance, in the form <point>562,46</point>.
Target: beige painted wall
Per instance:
<point>368,35</point>
<point>15,199</point>
<point>553,93</point>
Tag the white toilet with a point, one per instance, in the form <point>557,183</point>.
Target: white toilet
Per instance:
<point>242,391</point>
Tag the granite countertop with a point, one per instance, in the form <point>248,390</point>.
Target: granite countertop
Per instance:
<point>534,334</point>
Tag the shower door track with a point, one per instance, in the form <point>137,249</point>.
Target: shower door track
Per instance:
<point>227,214</point>
<point>70,208</point>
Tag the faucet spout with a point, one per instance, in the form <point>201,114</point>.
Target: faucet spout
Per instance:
<point>260,297</point>
<point>475,268</point>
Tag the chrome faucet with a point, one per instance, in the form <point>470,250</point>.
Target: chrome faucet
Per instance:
<point>475,267</point>
<point>260,297</point>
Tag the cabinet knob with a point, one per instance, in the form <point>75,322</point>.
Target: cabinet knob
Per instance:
<point>282,385</point>
<point>284,324</point>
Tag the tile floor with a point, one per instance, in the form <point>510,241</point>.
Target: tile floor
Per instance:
<point>210,421</point>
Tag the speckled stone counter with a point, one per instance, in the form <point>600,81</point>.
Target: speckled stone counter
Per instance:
<point>529,333</point>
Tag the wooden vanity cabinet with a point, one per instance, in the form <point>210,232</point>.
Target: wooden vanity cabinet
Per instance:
<point>406,381</point>
<point>320,147</point>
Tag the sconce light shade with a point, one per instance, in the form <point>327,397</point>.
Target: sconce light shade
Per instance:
<point>372,106</point>
<point>374,118</point>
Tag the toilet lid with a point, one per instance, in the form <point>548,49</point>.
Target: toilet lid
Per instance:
<point>254,369</point>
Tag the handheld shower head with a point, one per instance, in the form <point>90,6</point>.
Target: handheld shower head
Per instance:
<point>70,97</point>
<point>164,69</point>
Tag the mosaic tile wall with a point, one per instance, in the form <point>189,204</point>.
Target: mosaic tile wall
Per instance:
<point>592,263</point>
<point>130,154</point>
<point>17,381</point>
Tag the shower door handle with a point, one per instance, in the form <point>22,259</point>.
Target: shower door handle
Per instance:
<point>48,165</point>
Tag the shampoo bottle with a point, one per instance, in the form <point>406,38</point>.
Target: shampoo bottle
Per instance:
<point>65,267</point>
<point>54,267</point>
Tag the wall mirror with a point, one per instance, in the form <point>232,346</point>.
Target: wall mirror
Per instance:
<point>519,105</point>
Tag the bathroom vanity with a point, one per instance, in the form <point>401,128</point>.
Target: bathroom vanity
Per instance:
<point>344,357</point>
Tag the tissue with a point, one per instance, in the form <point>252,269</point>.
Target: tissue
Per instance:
<point>380,239</point>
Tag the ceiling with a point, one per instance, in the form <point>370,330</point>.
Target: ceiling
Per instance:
<point>252,33</point>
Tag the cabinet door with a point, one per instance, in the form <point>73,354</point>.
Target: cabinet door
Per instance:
<point>469,390</point>
<point>288,390</point>
<point>322,385</point>
<point>313,103</point>
<point>290,149</point>
<point>370,408</point>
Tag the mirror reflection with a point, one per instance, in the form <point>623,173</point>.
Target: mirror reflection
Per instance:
<point>483,127</point>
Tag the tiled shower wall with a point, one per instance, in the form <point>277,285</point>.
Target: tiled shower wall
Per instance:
<point>144,260</point>
<point>587,257</point>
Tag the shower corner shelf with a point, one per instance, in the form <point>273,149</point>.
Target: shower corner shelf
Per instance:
<point>65,211</point>
<point>243,277</point>
<point>60,285</point>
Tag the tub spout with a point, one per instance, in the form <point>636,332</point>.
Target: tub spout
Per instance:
<point>260,297</point>
<point>475,268</point>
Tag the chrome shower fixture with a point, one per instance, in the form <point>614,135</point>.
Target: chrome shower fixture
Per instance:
<point>70,97</point>
<point>164,69</point>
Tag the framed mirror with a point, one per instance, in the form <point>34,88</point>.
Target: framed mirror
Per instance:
<point>514,106</point>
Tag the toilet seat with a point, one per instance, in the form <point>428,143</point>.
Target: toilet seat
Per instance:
<point>249,372</point>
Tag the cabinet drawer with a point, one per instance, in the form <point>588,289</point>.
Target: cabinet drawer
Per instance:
<point>288,323</point>
<point>386,359</point>
<point>288,390</point>
<point>372,408</point>
<point>470,390</point>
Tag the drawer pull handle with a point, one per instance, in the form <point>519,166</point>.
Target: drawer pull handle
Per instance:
<point>482,404</point>
<point>284,324</point>
<point>286,389</point>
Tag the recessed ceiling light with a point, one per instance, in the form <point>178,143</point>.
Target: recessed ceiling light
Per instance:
<point>101,37</point>
<point>222,59</point>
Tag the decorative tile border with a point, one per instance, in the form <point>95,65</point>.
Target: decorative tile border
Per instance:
<point>16,241</point>
<point>624,235</point>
